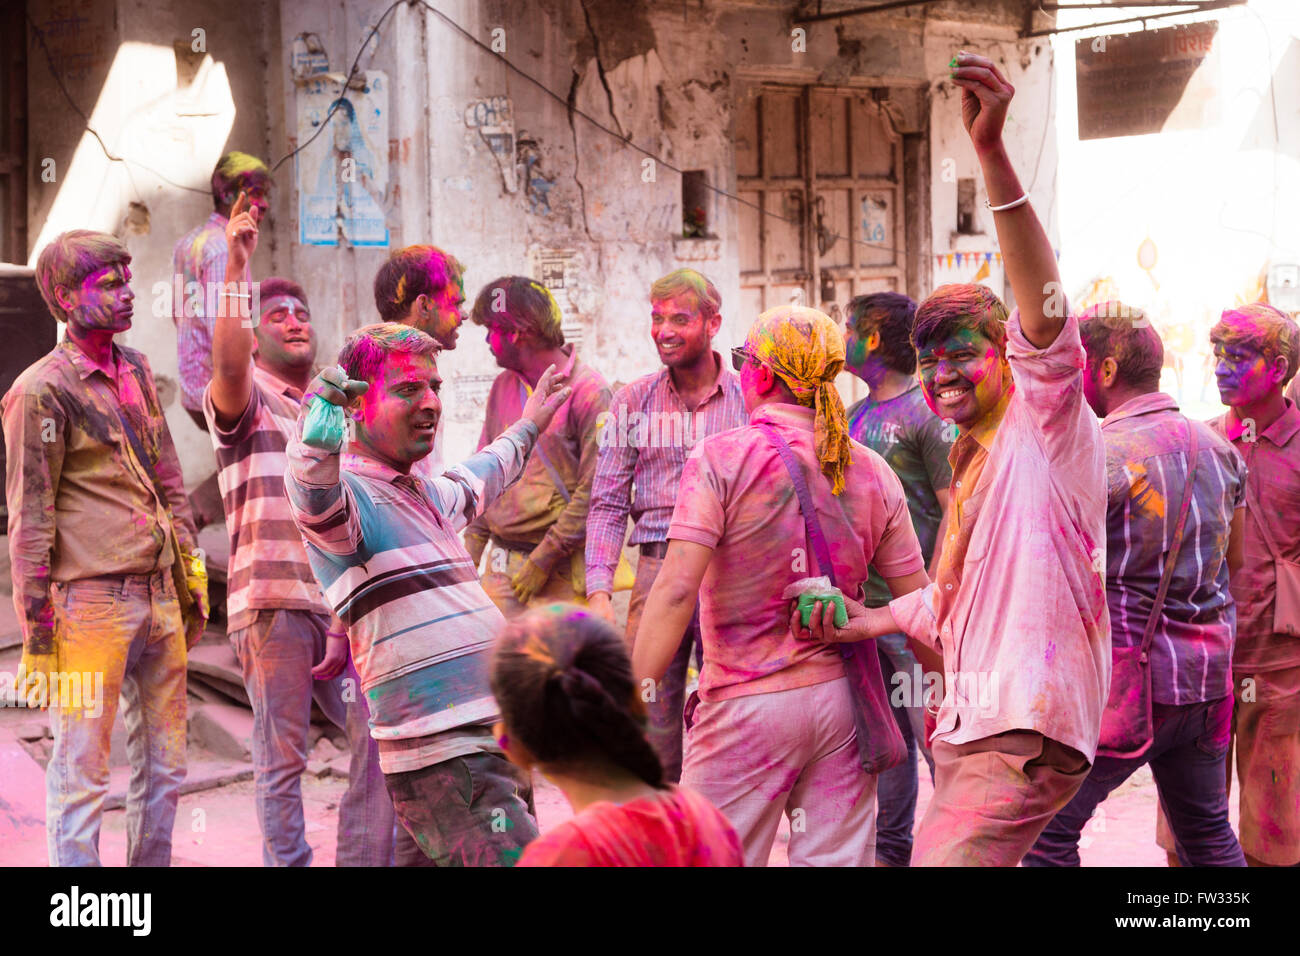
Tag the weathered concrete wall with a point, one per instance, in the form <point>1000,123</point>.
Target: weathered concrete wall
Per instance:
<point>173,112</point>
<point>662,76</point>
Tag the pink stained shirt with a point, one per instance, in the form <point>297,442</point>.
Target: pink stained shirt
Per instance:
<point>676,827</point>
<point>736,498</point>
<point>1025,633</point>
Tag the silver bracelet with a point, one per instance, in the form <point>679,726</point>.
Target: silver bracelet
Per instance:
<point>239,295</point>
<point>1011,205</point>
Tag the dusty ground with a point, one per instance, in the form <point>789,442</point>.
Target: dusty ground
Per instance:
<point>218,826</point>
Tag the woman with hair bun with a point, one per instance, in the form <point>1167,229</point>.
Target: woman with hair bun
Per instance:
<point>569,707</point>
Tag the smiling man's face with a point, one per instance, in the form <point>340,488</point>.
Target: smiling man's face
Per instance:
<point>285,337</point>
<point>963,376</point>
<point>680,330</point>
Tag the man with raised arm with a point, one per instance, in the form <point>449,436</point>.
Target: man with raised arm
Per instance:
<point>384,544</point>
<point>1018,605</point>
<point>290,647</point>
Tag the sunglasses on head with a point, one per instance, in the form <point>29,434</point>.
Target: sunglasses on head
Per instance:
<point>740,356</point>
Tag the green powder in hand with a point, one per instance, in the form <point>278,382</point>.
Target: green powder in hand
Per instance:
<point>808,603</point>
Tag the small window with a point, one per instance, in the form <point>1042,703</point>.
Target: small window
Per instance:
<point>695,204</point>
<point>966,207</point>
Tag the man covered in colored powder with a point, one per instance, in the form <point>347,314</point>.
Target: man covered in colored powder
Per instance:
<point>199,264</point>
<point>424,287</point>
<point>652,425</point>
<point>1018,606</point>
<point>1148,456</point>
<point>1256,350</point>
<point>537,528</point>
<point>290,646</point>
<point>774,729</point>
<point>895,422</point>
<point>97,511</point>
<point>385,546</point>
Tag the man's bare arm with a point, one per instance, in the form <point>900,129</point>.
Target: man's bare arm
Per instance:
<point>669,607</point>
<point>232,331</point>
<point>1026,251</point>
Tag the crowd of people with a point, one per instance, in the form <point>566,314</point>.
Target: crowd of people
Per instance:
<point>1015,559</point>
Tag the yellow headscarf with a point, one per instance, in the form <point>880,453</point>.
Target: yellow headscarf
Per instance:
<point>806,349</point>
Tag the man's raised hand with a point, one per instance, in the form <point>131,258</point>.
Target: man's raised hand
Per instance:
<point>548,395</point>
<point>335,387</point>
<point>984,98</point>
<point>241,235</point>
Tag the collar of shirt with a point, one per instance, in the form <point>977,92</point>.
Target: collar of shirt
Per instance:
<point>719,379</point>
<point>216,219</point>
<point>1285,427</point>
<point>983,432</point>
<point>358,462</point>
<point>85,368</point>
<point>783,413</point>
<point>1142,405</point>
<point>271,382</point>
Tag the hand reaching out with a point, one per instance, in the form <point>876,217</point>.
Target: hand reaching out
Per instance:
<point>547,397</point>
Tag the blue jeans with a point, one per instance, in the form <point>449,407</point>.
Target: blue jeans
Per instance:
<point>896,788</point>
<point>116,636</point>
<point>1186,756</point>
<point>276,655</point>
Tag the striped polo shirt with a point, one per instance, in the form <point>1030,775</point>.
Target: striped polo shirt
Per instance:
<point>269,569</point>
<point>386,548</point>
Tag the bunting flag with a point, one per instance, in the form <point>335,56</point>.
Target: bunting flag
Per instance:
<point>983,272</point>
<point>946,260</point>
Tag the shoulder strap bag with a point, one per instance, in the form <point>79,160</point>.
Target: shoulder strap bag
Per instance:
<point>1127,724</point>
<point>880,743</point>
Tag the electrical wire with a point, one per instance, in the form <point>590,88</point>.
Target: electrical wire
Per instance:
<point>563,101</point>
<point>40,37</point>
<point>347,84</point>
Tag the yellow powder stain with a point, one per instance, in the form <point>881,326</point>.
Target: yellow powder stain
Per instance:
<point>1146,500</point>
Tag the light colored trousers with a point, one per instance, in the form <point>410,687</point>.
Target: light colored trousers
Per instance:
<point>122,636</point>
<point>793,752</point>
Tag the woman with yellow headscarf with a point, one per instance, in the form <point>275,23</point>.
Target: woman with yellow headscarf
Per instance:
<point>805,348</point>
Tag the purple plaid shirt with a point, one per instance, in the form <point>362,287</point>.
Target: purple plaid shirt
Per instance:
<point>644,442</point>
<point>200,257</point>
<point>1146,471</point>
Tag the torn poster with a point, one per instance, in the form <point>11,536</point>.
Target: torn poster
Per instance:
<point>343,175</point>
